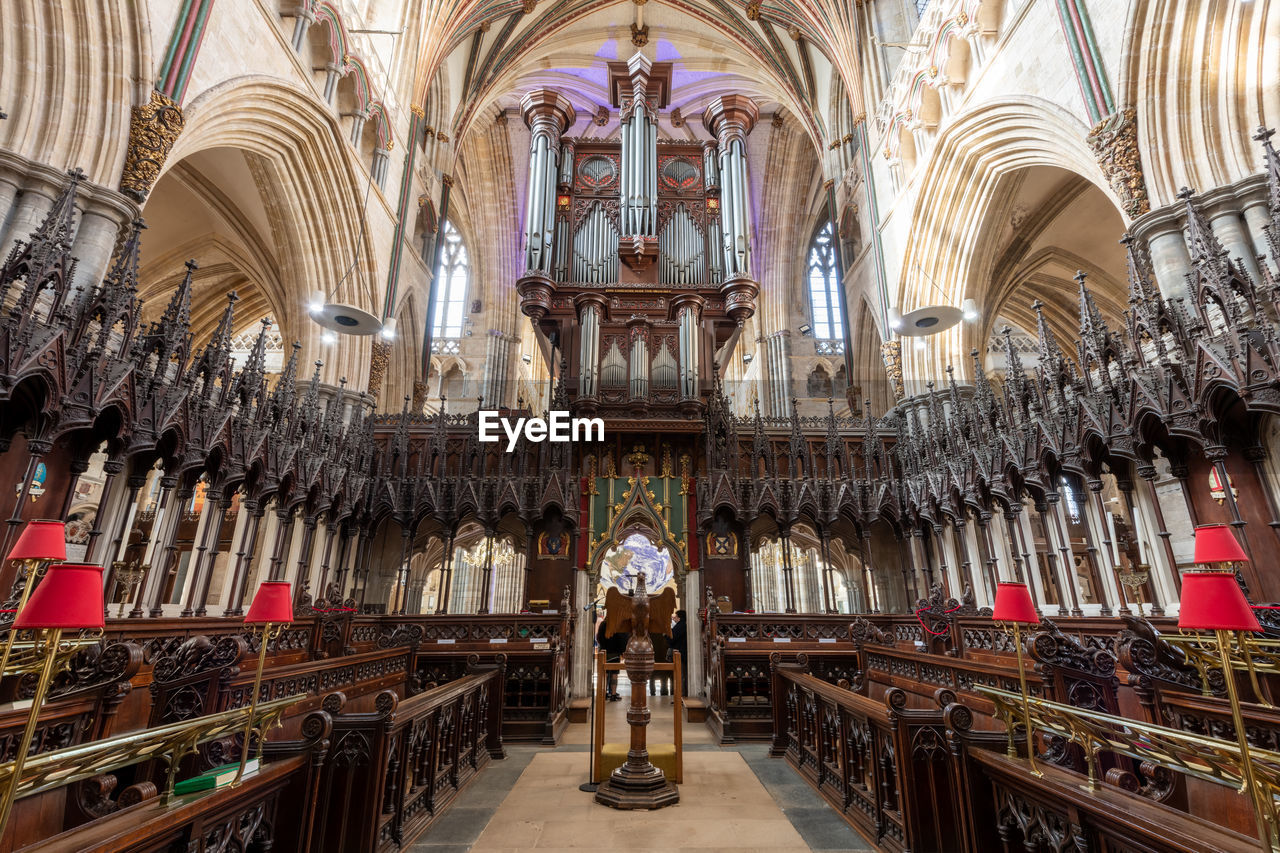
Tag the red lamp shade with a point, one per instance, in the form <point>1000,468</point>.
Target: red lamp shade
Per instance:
<point>272,603</point>
<point>1213,601</point>
<point>1215,543</point>
<point>1013,604</point>
<point>69,597</point>
<point>41,539</point>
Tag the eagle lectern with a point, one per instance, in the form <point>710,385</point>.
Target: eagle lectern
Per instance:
<point>637,784</point>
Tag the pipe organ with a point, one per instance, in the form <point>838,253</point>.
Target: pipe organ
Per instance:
<point>638,248</point>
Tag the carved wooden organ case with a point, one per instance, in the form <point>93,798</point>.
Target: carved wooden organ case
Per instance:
<point>637,249</point>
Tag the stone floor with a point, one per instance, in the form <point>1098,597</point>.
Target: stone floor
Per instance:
<point>733,798</point>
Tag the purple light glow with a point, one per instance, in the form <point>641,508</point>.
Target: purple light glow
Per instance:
<point>667,52</point>
<point>608,50</point>
<point>688,78</point>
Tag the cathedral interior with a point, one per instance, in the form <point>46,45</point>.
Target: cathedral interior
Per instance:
<point>918,364</point>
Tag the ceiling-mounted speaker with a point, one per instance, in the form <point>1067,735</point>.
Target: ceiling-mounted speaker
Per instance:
<point>929,320</point>
<point>345,319</point>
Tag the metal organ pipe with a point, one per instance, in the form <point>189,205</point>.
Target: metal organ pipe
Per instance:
<point>742,235</point>
<point>595,249</point>
<point>730,118</point>
<point>689,349</point>
<point>639,207</point>
<point>588,351</point>
<point>531,205</point>
<point>547,115</point>
<point>651,186</point>
<point>566,163</point>
<point>727,210</point>
<point>564,250</point>
<point>639,363</point>
<point>549,205</point>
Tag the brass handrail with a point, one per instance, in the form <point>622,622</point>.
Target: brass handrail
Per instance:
<point>29,657</point>
<point>1201,757</point>
<point>171,743</point>
<point>1249,654</point>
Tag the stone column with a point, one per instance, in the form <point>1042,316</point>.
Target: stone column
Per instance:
<point>1170,260</point>
<point>358,120</point>
<point>1257,217</point>
<point>788,575</point>
<point>110,507</point>
<point>32,205</point>
<point>92,248</point>
<point>302,572</point>
<point>253,511</point>
<point>381,164</point>
<point>1228,226</point>
<point>8,192</point>
<point>302,22</point>
<point>583,636</point>
<point>1098,543</point>
<point>1168,584</point>
<point>332,74</point>
<point>210,519</point>
<point>146,587</point>
<point>693,663</point>
<point>1056,525</point>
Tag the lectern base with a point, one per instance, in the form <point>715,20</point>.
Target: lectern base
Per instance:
<point>644,787</point>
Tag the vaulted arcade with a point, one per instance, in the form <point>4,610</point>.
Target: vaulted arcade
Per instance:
<point>517,424</point>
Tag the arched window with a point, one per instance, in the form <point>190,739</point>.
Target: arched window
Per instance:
<point>824,298</point>
<point>451,285</point>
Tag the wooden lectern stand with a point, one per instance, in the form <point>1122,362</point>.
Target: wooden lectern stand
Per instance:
<point>668,757</point>
<point>637,784</point>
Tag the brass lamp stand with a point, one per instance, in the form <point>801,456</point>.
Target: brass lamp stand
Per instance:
<point>1213,601</point>
<point>43,542</point>
<point>70,598</point>
<point>272,607</point>
<point>1013,605</point>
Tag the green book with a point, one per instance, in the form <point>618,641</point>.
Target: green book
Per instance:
<point>215,778</point>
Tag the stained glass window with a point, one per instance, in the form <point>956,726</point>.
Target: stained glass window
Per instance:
<point>824,299</point>
<point>451,284</point>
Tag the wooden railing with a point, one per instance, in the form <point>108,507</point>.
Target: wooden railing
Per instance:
<point>150,672</point>
<point>261,814</point>
<point>880,764</point>
<point>927,780</point>
<point>876,652</point>
<point>114,794</point>
<point>418,718</point>
<point>393,770</point>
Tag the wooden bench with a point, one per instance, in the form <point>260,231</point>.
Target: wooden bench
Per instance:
<point>579,709</point>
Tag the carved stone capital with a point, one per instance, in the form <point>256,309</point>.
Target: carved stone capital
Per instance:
<point>378,362</point>
<point>153,129</point>
<point>1115,143</point>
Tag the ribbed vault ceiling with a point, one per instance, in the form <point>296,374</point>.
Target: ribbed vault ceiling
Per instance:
<point>485,52</point>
